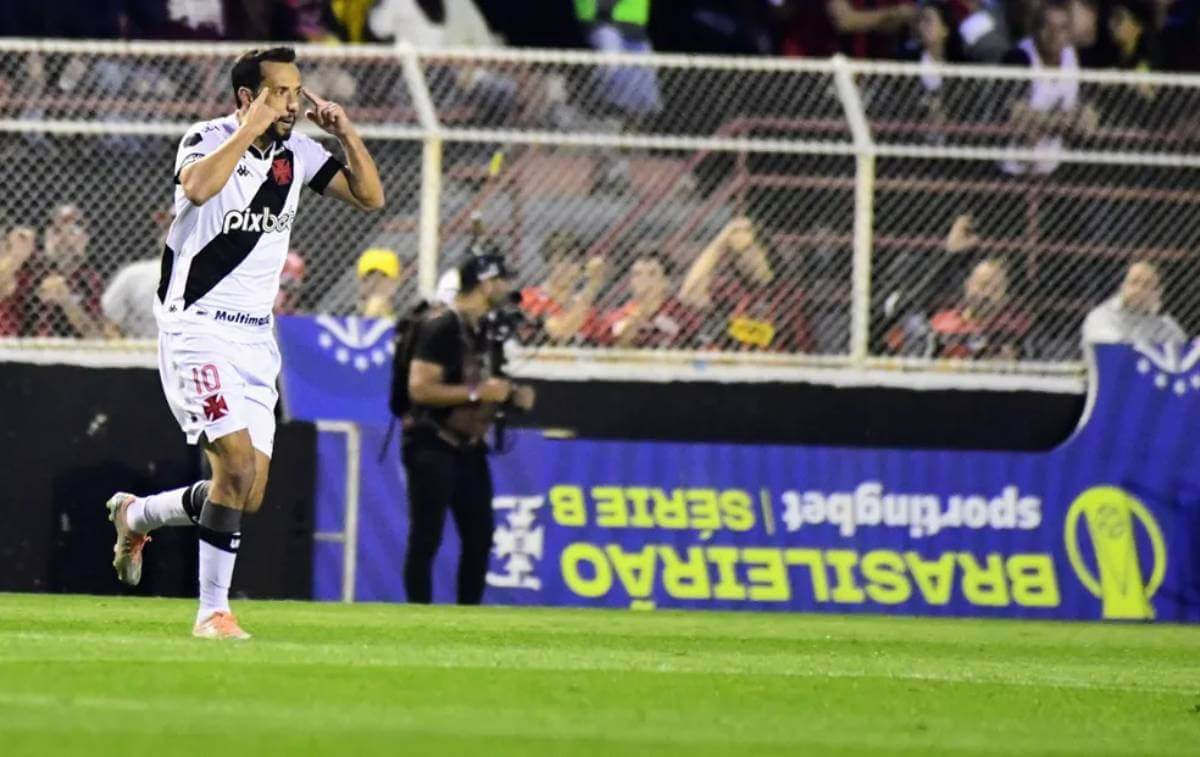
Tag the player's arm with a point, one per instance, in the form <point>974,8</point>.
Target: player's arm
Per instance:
<point>358,183</point>
<point>204,178</point>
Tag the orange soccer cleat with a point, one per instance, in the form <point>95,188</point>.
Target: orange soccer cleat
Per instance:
<point>127,552</point>
<point>219,625</point>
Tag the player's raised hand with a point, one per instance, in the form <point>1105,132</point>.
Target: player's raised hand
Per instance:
<point>260,114</point>
<point>329,116</point>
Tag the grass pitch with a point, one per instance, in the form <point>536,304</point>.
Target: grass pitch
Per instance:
<point>89,675</point>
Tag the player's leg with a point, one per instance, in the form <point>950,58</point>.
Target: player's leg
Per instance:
<point>472,509</point>
<point>262,468</point>
<point>232,458</point>
<point>240,462</point>
<point>430,475</point>
<point>177,507</point>
<point>188,376</point>
<point>135,517</point>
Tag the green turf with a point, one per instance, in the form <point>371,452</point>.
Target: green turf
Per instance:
<point>90,675</point>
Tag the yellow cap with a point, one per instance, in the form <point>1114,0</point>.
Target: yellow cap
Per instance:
<point>379,259</point>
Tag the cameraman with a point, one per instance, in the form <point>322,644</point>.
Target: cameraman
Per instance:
<point>454,400</point>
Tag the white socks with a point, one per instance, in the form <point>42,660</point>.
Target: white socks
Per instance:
<point>216,574</point>
<point>158,510</point>
<point>219,530</point>
<point>220,536</point>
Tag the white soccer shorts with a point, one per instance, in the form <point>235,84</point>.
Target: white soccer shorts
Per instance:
<point>216,386</point>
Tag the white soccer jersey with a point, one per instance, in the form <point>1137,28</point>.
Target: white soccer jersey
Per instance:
<point>222,261</point>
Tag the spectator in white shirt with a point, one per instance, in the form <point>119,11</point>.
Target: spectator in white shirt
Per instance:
<point>128,301</point>
<point>1134,314</point>
<point>1049,108</point>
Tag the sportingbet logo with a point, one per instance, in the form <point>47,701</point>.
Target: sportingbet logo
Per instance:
<point>265,222</point>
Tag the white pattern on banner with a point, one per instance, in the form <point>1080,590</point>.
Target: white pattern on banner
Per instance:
<point>518,542</point>
<point>922,513</point>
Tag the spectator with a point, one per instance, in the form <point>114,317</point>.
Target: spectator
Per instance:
<point>748,307</point>
<point>619,26</point>
<point>19,245</point>
<point>1134,313</point>
<point>859,28</point>
<point>301,20</point>
<point>1049,107</point>
<point>1085,31</point>
<point>67,289</point>
<point>196,19</point>
<point>931,99</point>
<point>380,275</point>
<point>910,284</point>
<point>651,317</point>
<point>345,295</point>
<point>984,31</point>
<point>935,40</point>
<point>566,306</point>
<point>291,284</point>
<point>1131,25</point>
<point>984,325</point>
<point>431,24</point>
<point>1021,16</point>
<point>128,301</point>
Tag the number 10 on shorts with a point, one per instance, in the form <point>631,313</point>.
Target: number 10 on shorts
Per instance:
<point>206,379</point>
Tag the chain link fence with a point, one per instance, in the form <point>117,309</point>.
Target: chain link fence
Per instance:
<point>663,213</point>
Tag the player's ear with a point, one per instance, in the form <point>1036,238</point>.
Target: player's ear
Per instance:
<point>244,97</point>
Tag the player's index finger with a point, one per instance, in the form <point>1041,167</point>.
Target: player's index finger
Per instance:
<point>315,100</point>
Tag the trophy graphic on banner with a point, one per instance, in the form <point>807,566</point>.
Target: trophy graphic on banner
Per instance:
<point>1111,515</point>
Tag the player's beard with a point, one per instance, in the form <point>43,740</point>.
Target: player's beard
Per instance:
<point>280,131</point>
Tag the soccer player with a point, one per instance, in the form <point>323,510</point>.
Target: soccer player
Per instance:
<point>237,187</point>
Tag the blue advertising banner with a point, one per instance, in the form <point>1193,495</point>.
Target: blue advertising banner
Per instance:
<point>335,368</point>
<point>1105,526</point>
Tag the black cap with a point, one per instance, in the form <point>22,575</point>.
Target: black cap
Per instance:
<point>480,268</point>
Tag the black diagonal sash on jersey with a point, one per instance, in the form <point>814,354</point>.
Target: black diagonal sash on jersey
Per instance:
<point>164,272</point>
<point>226,251</point>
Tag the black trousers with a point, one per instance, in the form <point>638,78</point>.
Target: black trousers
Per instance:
<point>439,477</point>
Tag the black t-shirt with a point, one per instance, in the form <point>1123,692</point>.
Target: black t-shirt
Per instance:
<point>444,339</point>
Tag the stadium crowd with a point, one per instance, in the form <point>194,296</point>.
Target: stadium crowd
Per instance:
<point>1128,34</point>
<point>1120,34</point>
<point>739,288</point>
<point>730,298</point>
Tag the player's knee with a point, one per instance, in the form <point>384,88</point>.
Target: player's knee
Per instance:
<point>235,479</point>
<point>257,493</point>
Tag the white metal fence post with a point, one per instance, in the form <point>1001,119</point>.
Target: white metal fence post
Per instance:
<point>431,171</point>
<point>864,210</point>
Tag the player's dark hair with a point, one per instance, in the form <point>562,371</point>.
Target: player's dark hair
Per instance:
<point>247,70</point>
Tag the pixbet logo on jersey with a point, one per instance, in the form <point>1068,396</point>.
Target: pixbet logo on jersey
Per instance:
<point>264,222</point>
